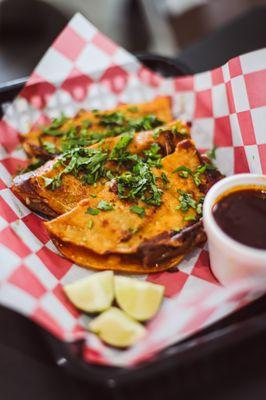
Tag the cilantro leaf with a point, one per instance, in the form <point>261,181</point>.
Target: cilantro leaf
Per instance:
<point>164,178</point>
<point>120,147</point>
<point>56,123</point>
<point>184,171</point>
<point>47,181</point>
<point>86,123</point>
<point>50,148</point>
<point>105,206</point>
<point>112,119</point>
<point>92,211</point>
<point>145,123</point>
<point>138,210</point>
<point>186,201</point>
<point>152,156</point>
<point>139,183</point>
<point>190,218</point>
<point>212,153</point>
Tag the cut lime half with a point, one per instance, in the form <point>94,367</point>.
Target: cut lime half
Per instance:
<point>139,299</point>
<point>92,294</point>
<point>116,328</point>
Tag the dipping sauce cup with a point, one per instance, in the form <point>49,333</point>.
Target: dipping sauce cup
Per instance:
<point>230,259</point>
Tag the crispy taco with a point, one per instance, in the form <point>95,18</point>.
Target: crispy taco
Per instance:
<point>89,127</point>
<point>60,184</point>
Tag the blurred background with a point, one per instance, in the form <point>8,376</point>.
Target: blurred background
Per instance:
<point>166,27</point>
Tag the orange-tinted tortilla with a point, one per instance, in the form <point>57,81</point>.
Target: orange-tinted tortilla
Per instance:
<point>31,188</point>
<point>121,231</point>
<point>160,107</point>
<point>121,263</point>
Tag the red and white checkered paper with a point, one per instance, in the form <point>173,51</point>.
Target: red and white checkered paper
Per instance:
<point>84,69</point>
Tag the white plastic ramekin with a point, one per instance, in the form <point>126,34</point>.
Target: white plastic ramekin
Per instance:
<point>231,260</point>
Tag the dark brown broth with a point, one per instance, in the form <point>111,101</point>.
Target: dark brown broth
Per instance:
<point>241,214</point>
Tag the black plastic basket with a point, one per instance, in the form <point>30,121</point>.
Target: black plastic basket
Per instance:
<point>208,361</point>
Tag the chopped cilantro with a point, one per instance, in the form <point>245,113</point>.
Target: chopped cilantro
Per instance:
<point>138,210</point>
<point>190,218</point>
<point>184,171</point>
<point>201,170</point>
<point>56,123</point>
<point>181,131</point>
<point>139,183</point>
<point>199,206</point>
<point>86,123</point>
<point>119,149</point>
<point>186,201</point>
<point>112,119</point>
<point>212,153</point>
<point>93,196</point>
<point>156,133</point>
<point>105,206</point>
<point>164,178</point>
<point>152,156</point>
<point>50,148</point>
<point>145,123</point>
<point>47,181</point>
<point>88,162</point>
<point>92,211</point>
<point>90,224</point>
<point>109,175</point>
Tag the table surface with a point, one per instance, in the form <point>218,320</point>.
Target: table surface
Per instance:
<point>27,368</point>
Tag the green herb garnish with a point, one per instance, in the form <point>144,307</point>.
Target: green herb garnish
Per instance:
<point>139,183</point>
<point>181,131</point>
<point>47,181</point>
<point>145,123</point>
<point>212,153</point>
<point>199,206</point>
<point>190,218</point>
<point>186,201</point>
<point>50,148</point>
<point>56,123</point>
<point>138,210</point>
<point>92,211</point>
<point>152,156</point>
<point>105,206</point>
<point>118,151</point>
<point>184,172</point>
<point>112,119</point>
<point>164,178</point>
<point>86,123</point>
<point>90,163</point>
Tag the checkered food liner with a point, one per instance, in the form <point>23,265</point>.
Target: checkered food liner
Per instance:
<point>85,69</point>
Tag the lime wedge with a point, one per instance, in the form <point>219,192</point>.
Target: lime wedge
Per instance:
<point>92,294</point>
<point>116,328</point>
<point>139,299</point>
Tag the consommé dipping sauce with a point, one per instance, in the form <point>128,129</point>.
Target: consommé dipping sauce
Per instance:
<point>241,214</point>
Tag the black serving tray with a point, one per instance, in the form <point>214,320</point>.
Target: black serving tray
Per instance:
<point>229,352</point>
